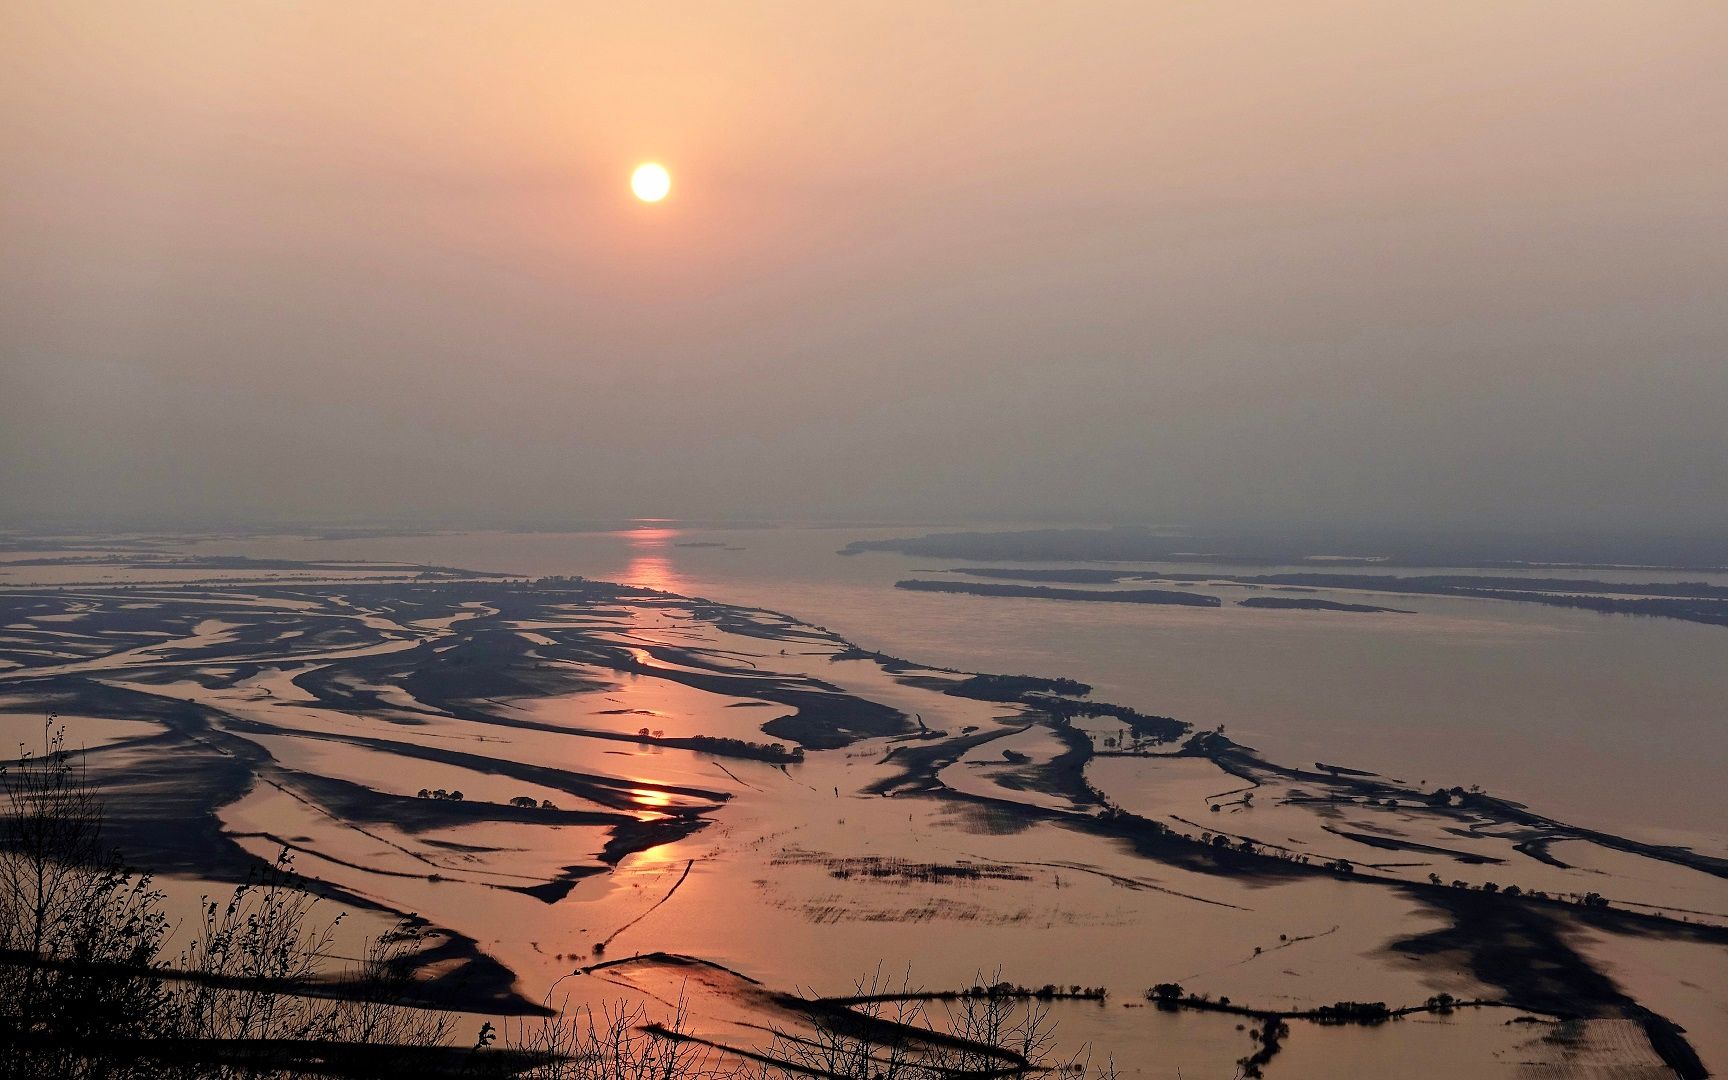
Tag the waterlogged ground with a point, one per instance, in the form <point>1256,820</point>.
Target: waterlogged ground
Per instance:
<point>671,796</point>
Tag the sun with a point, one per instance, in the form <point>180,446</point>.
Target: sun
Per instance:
<point>651,182</point>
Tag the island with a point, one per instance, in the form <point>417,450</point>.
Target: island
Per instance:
<point>1039,592</point>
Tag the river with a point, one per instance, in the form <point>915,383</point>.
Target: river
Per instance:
<point>1607,721</point>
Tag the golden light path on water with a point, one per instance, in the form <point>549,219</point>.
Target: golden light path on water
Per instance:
<point>650,560</point>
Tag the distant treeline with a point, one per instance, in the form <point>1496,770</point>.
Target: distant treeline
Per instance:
<point>1055,697</point>
<point>1069,576</point>
<point>1037,592</point>
<point>1304,603</point>
<point>1337,547</point>
<point>1015,687</point>
<point>1467,584</point>
<point>1429,583</point>
<point>778,753</point>
<point>1692,601</point>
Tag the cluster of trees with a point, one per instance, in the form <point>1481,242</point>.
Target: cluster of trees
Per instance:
<point>1172,995</point>
<point>1269,1037</point>
<point>1453,796</point>
<point>1143,727</point>
<point>525,802</point>
<point>1274,1028</point>
<point>1219,840</point>
<point>777,753</point>
<point>1692,601</point>
<point>1044,592</point>
<point>1127,819</point>
<point>1013,687</point>
<point>1352,1012</point>
<point>1115,815</point>
<point>1130,741</point>
<point>1588,899</point>
<point>1166,993</point>
<point>994,1029</point>
<point>1047,992</point>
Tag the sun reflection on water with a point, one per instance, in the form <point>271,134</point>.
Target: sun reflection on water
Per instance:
<point>651,565</point>
<point>650,805</point>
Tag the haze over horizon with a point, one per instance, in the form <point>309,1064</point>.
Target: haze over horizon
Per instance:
<point>1356,263</point>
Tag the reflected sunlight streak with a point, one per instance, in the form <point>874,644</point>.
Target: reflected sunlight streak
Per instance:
<point>650,561</point>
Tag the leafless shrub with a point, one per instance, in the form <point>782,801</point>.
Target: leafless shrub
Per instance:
<point>84,990</point>
<point>246,953</point>
<point>613,1042</point>
<point>375,1011</point>
<point>78,935</point>
<point>887,1032</point>
<point>876,1037</point>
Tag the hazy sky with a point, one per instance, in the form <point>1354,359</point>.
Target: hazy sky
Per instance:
<point>1381,262</point>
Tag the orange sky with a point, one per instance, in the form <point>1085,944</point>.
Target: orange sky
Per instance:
<point>1168,260</point>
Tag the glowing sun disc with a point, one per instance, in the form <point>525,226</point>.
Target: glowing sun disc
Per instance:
<point>650,182</point>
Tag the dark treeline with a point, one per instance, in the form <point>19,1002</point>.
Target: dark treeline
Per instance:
<point>1339,547</point>
<point>1305,603</point>
<point>1453,583</point>
<point>1055,698</point>
<point>1070,576</point>
<point>1430,583</point>
<point>1036,592</point>
<point>1691,601</point>
<point>1015,687</point>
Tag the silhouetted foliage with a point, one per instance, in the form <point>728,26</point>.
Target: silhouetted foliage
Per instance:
<point>86,990</point>
<point>1011,687</point>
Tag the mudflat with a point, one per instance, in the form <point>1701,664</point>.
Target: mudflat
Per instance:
<point>557,776</point>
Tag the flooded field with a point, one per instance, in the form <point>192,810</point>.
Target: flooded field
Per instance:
<point>1611,721</point>
<point>669,795</point>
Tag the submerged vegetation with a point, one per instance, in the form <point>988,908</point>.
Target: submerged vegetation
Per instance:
<point>1014,687</point>
<point>460,657</point>
<point>92,986</point>
<point>1690,601</point>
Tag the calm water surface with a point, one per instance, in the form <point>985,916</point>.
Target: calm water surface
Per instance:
<point>1615,722</point>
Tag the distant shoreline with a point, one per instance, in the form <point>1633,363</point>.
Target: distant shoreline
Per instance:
<point>1128,544</point>
<point>1039,592</point>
